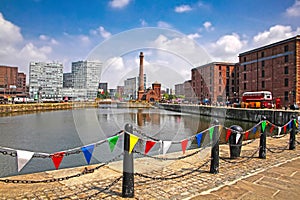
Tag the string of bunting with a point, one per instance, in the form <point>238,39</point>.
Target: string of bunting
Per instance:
<point>24,156</point>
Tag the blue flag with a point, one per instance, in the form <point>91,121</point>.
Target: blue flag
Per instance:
<point>199,138</point>
<point>88,151</point>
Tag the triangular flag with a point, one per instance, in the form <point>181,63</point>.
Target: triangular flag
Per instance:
<point>284,128</point>
<point>88,152</point>
<point>296,123</point>
<point>166,146</point>
<point>211,132</point>
<point>238,135</point>
<point>279,130</point>
<point>263,125</point>
<point>228,133</point>
<point>272,128</point>
<point>112,141</point>
<point>220,128</point>
<point>57,158</point>
<point>254,130</point>
<point>290,124</point>
<point>199,138</point>
<point>23,158</point>
<point>132,141</point>
<point>184,144</point>
<point>149,145</point>
<point>246,135</point>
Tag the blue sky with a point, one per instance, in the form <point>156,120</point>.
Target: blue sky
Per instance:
<point>68,30</point>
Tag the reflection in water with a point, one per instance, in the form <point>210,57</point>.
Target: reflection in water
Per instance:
<point>51,132</point>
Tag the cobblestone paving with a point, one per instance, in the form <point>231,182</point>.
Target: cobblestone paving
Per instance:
<point>247,167</point>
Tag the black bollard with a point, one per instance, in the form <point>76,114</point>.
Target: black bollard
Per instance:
<point>262,142</point>
<point>235,147</point>
<point>214,165</point>
<point>128,175</point>
<point>292,134</point>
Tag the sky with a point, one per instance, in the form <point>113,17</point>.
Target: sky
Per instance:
<point>71,30</point>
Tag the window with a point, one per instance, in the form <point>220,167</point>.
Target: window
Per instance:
<point>286,82</point>
<point>220,74</point>
<point>262,54</point>
<point>245,86</point>
<point>286,58</point>
<point>263,73</point>
<point>220,81</point>
<point>232,89</point>
<point>286,48</point>
<point>244,59</point>
<point>220,67</point>
<point>263,84</point>
<point>286,95</point>
<point>245,67</point>
<point>262,63</point>
<point>245,76</point>
<point>286,70</point>
<point>220,89</point>
<point>232,82</point>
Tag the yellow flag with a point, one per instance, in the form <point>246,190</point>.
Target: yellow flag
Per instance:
<point>132,141</point>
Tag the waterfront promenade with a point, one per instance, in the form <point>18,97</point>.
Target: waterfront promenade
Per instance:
<point>248,177</point>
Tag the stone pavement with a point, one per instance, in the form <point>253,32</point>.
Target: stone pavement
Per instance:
<point>248,177</point>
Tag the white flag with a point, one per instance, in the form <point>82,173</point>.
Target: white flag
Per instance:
<point>238,135</point>
<point>166,146</point>
<point>23,158</point>
<point>279,130</point>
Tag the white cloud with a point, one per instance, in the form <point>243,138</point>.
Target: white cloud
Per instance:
<point>294,10</point>
<point>182,8</point>
<point>10,34</point>
<point>162,24</point>
<point>227,47</point>
<point>143,22</point>
<point>194,36</point>
<point>208,26</point>
<point>119,3</point>
<point>101,31</point>
<point>274,34</point>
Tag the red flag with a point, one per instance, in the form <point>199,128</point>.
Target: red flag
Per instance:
<point>246,135</point>
<point>184,144</point>
<point>284,128</point>
<point>149,145</point>
<point>272,128</point>
<point>57,158</point>
<point>228,133</point>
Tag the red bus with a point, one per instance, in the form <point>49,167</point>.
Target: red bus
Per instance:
<point>259,99</point>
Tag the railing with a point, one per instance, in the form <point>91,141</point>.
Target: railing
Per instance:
<point>234,136</point>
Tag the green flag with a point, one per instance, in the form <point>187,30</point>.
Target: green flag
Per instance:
<point>263,125</point>
<point>211,132</point>
<point>112,142</point>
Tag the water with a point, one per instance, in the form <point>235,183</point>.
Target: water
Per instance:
<point>55,131</point>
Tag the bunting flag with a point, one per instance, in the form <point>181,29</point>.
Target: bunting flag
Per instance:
<point>228,133</point>
<point>211,132</point>
<point>88,152</point>
<point>112,141</point>
<point>284,128</point>
<point>220,128</point>
<point>132,142</point>
<point>57,158</point>
<point>23,158</point>
<point>184,144</point>
<point>263,125</point>
<point>238,136</point>
<point>296,123</point>
<point>272,128</point>
<point>254,130</point>
<point>166,146</point>
<point>290,125</point>
<point>199,138</point>
<point>246,135</point>
<point>279,130</point>
<point>149,145</point>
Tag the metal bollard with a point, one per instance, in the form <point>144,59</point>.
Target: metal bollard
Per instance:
<point>235,147</point>
<point>128,175</point>
<point>214,164</point>
<point>292,135</point>
<point>262,142</point>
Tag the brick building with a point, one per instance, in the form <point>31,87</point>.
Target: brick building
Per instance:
<point>12,82</point>
<point>274,68</point>
<point>215,82</point>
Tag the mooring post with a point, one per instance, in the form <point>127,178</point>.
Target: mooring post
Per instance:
<point>128,176</point>
<point>214,165</point>
<point>292,134</point>
<point>235,141</point>
<point>262,142</point>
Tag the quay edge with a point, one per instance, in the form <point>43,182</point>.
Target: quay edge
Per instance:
<point>277,116</point>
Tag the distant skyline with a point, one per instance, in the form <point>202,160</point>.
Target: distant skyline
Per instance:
<point>67,31</point>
